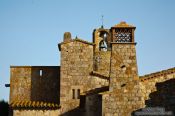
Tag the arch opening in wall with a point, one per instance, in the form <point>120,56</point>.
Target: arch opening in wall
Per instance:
<point>104,44</point>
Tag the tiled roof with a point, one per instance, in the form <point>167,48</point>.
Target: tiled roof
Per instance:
<point>157,74</point>
<point>123,24</point>
<point>33,104</point>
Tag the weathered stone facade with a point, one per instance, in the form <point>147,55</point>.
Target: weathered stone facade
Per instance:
<point>76,64</point>
<point>121,102</point>
<point>36,86</point>
<point>36,113</point>
<point>123,64</point>
<point>94,79</point>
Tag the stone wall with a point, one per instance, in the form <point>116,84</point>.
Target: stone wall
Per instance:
<point>76,65</point>
<point>20,83</point>
<point>96,39</point>
<point>34,83</point>
<point>153,90</point>
<point>93,98</point>
<point>70,108</point>
<point>102,62</point>
<point>123,64</point>
<point>45,87</point>
<point>150,81</point>
<point>96,82</point>
<point>123,101</point>
<point>36,112</point>
<point>159,89</point>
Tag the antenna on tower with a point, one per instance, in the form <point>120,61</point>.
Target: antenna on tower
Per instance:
<point>101,21</point>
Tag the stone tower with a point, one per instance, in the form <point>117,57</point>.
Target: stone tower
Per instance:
<point>125,90</point>
<point>76,64</point>
<point>123,55</point>
<point>98,78</point>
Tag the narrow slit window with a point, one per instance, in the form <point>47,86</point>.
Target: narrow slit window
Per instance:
<point>41,73</point>
<point>78,94</point>
<point>73,93</point>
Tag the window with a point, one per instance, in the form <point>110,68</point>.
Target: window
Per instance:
<point>40,73</point>
<point>123,35</point>
<point>78,94</point>
<point>75,93</point>
<point>102,46</point>
<point>103,43</point>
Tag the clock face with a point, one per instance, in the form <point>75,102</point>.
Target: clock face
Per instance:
<point>122,35</point>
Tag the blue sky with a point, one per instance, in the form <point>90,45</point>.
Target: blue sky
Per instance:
<point>31,29</point>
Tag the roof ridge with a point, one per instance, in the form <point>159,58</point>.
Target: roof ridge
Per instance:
<point>157,74</point>
<point>76,39</point>
<point>100,75</point>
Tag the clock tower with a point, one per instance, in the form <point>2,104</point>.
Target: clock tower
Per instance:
<point>123,55</point>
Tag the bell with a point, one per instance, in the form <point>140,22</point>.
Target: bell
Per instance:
<point>102,45</point>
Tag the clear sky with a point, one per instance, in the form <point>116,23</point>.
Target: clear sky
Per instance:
<point>31,29</point>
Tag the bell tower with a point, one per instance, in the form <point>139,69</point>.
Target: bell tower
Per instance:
<point>123,33</point>
<point>123,55</point>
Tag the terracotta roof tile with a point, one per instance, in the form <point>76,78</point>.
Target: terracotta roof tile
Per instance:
<point>123,24</point>
<point>33,104</point>
<point>157,74</point>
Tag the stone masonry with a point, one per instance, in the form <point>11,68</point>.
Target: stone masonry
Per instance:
<point>98,78</point>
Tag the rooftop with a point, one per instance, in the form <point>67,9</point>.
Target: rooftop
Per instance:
<point>123,24</point>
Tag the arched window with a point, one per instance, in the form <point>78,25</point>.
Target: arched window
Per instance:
<point>102,46</point>
<point>103,35</point>
<point>103,43</point>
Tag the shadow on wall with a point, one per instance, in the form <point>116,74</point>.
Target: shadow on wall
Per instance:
<point>90,104</point>
<point>74,112</point>
<point>45,84</point>
<point>161,101</point>
<point>4,108</point>
<point>87,107</point>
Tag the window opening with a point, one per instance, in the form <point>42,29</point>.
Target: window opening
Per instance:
<point>73,93</point>
<point>103,42</point>
<point>103,46</point>
<point>41,73</point>
<point>78,94</point>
